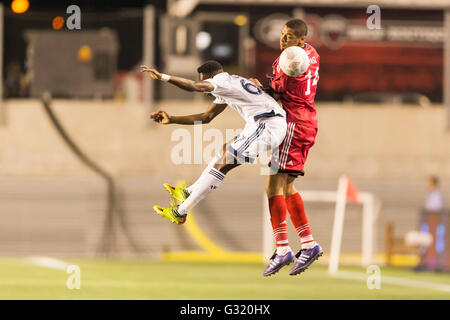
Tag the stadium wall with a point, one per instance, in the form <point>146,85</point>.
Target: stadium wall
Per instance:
<point>365,142</point>
<point>50,204</point>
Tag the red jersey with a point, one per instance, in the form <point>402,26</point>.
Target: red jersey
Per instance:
<point>297,93</point>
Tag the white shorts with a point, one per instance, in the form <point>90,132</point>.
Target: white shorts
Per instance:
<point>258,137</point>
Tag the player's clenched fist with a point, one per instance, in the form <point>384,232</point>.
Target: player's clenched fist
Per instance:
<point>153,72</point>
<point>161,117</point>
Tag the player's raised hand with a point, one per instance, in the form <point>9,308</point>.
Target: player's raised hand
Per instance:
<point>256,81</point>
<point>160,116</point>
<point>153,72</point>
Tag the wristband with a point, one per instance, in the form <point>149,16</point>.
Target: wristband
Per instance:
<point>165,77</point>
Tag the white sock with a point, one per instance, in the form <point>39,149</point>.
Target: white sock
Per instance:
<point>191,188</point>
<point>208,181</point>
<point>281,251</point>
<point>211,164</point>
<point>308,245</point>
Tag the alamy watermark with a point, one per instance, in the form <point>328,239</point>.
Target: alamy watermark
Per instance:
<point>73,21</point>
<point>74,280</point>
<point>374,279</point>
<point>373,22</point>
<point>203,146</point>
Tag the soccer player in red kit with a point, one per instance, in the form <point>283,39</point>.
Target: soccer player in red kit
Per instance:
<point>297,98</point>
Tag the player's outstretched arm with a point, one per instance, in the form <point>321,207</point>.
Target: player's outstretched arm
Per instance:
<point>256,81</point>
<point>268,90</point>
<point>213,110</point>
<point>185,84</point>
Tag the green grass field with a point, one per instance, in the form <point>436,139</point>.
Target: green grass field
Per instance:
<point>125,279</point>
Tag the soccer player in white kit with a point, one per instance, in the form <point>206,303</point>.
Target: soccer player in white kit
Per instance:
<point>264,130</point>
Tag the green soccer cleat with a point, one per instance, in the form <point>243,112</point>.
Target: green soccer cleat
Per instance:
<point>171,213</point>
<point>180,193</point>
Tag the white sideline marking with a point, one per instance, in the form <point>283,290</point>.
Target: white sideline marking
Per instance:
<point>395,281</point>
<point>49,262</point>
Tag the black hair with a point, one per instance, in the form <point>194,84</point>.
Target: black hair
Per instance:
<point>299,26</point>
<point>434,180</point>
<point>210,68</point>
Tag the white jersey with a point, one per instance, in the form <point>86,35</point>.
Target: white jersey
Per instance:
<point>244,96</point>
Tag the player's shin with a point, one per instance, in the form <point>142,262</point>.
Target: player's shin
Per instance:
<point>277,208</point>
<point>208,181</point>
<point>297,213</point>
<point>211,164</point>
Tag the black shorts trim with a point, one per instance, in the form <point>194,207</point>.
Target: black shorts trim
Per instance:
<point>292,173</point>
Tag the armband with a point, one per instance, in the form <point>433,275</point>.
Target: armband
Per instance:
<point>165,77</point>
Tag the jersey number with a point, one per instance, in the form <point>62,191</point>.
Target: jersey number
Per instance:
<point>250,87</point>
<point>314,83</point>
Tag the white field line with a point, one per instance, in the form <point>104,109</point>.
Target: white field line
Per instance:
<point>49,262</point>
<point>395,281</point>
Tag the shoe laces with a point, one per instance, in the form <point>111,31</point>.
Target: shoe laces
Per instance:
<point>273,255</point>
<point>298,254</point>
<point>174,206</point>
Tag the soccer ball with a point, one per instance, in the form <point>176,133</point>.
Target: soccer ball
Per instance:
<point>294,61</point>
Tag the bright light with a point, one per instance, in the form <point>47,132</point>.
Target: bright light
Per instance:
<point>222,50</point>
<point>20,6</point>
<point>57,23</point>
<point>85,53</point>
<point>240,20</point>
<point>202,40</point>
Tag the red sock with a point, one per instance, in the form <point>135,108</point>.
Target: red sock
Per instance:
<point>297,213</point>
<point>278,212</point>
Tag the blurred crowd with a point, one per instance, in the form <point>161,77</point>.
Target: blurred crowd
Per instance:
<point>16,83</point>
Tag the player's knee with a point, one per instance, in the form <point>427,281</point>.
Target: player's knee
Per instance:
<point>219,166</point>
<point>289,189</point>
<point>274,187</point>
<point>268,191</point>
<point>225,167</point>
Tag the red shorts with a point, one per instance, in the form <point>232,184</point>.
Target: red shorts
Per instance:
<point>293,151</point>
